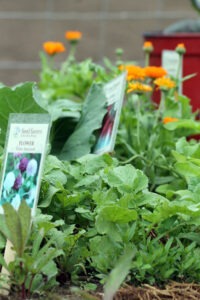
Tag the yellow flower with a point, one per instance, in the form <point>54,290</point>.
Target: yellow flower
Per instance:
<point>148,46</point>
<point>52,48</point>
<point>73,35</point>
<point>133,72</point>
<point>169,119</point>
<point>155,72</point>
<point>180,49</point>
<point>164,83</point>
<point>138,87</point>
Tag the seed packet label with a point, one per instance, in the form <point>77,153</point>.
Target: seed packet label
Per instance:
<point>114,92</point>
<point>27,138</point>
<point>25,150</point>
<point>172,64</point>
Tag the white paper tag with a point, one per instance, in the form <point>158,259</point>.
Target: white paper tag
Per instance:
<point>172,64</point>
<point>114,92</point>
<point>25,148</point>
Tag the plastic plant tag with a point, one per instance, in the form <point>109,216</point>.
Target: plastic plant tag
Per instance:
<point>173,65</point>
<point>114,92</point>
<point>25,149</point>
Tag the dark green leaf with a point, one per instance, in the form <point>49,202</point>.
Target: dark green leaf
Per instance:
<point>94,109</point>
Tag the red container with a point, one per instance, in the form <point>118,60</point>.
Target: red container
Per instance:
<point>191,61</point>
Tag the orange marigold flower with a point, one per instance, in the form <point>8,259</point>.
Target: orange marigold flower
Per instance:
<point>169,119</point>
<point>180,48</point>
<point>148,46</point>
<point>133,72</point>
<point>138,87</point>
<point>52,48</point>
<point>73,35</point>
<point>164,83</point>
<point>155,72</point>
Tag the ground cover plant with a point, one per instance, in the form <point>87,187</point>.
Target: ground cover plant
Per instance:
<point>103,221</point>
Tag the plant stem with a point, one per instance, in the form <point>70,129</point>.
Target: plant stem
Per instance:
<point>23,290</point>
<point>29,287</point>
<point>146,59</point>
<point>160,109</point>
<point>138,122</point>
<point>133,158</point>
<point>178,74</point>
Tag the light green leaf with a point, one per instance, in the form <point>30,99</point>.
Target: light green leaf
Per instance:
<point>63,108</point>
<point>56,176</point>
<point>187,149</point>
<point>125,178</point>
<point>92,163</point>
<point>118,274</point>
<point>187,169</point>
<point>184,124</point>
<point>90,179</point>
<point>25,220</point>
<point>52,162</point>
<point>169,209</point>
<point>117,214</point>
<point>14,225</point>
<point>46,199</point>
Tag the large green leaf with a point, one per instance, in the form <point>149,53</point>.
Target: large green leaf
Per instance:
<point>188,149</point>
<point>188,169</point>
<point>184,209</point>
<point>125,178</point>
<point>24,213</point>
<point>184,124</point>
<point>17,225</point>
<point>92,163</point>
<point>80,141</point>
<point>19,99</point>
<point>64,108</point>
<point>117,214</point>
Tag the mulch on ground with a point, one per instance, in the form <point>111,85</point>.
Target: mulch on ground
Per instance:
<point>172,291</point>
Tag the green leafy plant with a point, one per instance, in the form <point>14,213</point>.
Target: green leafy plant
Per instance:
<point>148,129</point>
<point>33,267</point>
<point>18,99</point>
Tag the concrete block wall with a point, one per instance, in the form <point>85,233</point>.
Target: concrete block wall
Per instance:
<point>105,24</point>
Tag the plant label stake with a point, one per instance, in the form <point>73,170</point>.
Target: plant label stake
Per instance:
<point>172,63</point>
<point>114,92</point>
<point>24,153</point>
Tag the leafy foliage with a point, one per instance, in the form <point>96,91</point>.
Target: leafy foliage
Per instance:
<point>33,267</point>
<point>18,99</point>
<point>80,141</point>
<point>108,206</point>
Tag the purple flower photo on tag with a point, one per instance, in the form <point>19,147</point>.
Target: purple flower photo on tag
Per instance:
<point>20,179</point>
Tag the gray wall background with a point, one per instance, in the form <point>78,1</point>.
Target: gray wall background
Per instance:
<point>105,24</point>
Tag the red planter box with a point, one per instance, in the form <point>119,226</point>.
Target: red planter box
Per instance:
<point>191,61</point>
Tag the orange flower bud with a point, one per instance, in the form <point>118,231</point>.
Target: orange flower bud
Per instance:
<point>51,48</point>
<point>73,35</point>
<point>148,46</point>
<point>180,49</point>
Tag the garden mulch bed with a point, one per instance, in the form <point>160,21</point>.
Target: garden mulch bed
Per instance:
<point>178,291</point>
<point>172,291</point>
